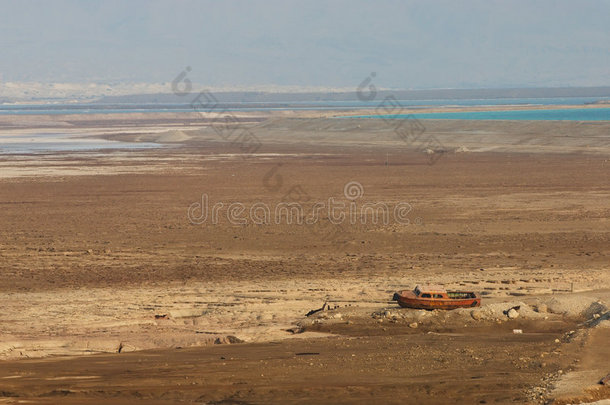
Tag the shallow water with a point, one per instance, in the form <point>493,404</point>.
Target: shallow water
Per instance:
<point>93,108</point>
<point>575,114</point>
<point>57,142</point>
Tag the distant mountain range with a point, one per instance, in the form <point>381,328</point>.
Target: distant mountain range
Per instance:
<point>446,94</point>
<point>144,93</point>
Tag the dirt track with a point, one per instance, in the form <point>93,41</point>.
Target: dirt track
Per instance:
<point>479,365</point>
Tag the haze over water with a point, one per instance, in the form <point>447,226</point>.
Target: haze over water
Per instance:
<point>118,108</point>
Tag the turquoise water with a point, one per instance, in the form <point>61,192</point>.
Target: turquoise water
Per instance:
<point>572,114</point>
<point>95,108</point>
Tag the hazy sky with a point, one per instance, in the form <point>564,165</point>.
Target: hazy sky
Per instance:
<point>409,44</point>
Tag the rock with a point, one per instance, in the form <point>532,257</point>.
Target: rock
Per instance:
<point>227,340</point>
<point>296,330</point>
<point>542,308</point>
<point>387,314</point>
<point>512,313</point>
<point>603,324</point>
<point>476,315</point>
<point>420,314</point>
<point>574,307</point>
<point>413,325</point>
<point>595,308</point>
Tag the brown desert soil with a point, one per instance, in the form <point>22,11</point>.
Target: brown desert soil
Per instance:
<point>110,294</point>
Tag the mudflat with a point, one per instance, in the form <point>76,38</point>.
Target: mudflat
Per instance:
<point>117,288</point>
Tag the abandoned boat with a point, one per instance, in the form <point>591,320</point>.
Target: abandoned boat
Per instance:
<point>436,297</point>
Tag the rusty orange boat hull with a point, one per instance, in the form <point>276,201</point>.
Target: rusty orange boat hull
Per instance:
<point>408,299</point>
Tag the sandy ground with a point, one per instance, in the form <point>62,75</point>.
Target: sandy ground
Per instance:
<point>98,256</point>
